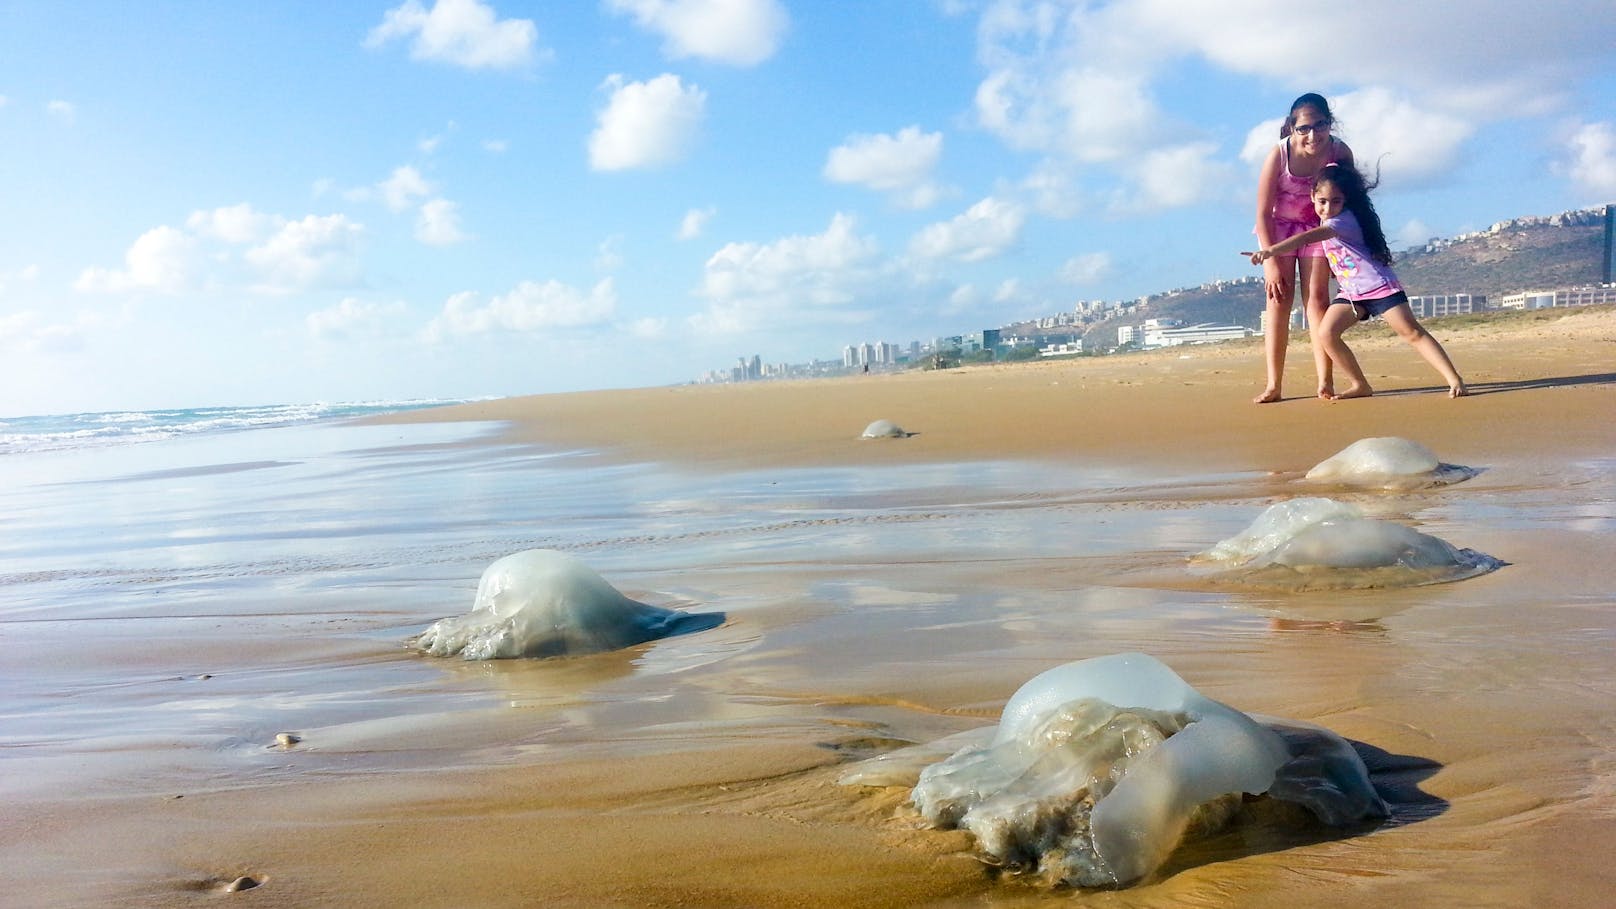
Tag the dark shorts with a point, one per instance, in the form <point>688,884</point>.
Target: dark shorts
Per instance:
<point>1368,309</point>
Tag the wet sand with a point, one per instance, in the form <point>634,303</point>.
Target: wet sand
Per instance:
<point>1483,705</point>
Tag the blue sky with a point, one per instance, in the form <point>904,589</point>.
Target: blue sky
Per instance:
<point>239,203</point>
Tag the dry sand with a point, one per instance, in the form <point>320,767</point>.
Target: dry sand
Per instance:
<point>735,820</point>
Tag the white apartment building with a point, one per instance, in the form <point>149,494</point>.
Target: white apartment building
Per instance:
<point>1431,305</point>
<point>1566,296</point>
<point>1204,333</point>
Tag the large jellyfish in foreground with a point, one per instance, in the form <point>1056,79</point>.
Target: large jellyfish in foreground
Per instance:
<point>543,603</point>
<point>1317,542</point>
<point>1099,768</point>
<point>1387,463</point>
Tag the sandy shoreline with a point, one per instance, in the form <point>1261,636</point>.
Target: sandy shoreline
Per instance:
<point>728,796</point>
<point>1531,373</point>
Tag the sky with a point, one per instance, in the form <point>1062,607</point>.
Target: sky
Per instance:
<point>299,201</point>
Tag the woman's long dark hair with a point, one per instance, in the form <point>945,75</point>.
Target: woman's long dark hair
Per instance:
<point>1355,188</point>
<point>1313,100</point>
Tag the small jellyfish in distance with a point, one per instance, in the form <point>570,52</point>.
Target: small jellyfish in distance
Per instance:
<point>884,429</point>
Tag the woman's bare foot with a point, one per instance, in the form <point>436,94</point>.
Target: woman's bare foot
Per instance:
<point>1269,396</point>
<point>1355,391</point>
<point>1457,390</point>
<point>1327,392</point>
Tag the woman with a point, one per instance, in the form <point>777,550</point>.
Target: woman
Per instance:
<point>1285,209</point>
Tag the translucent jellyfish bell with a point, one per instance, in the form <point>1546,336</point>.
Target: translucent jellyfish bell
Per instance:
<point>1321,543</point>
<point>1387,463</point>
<point>883,429</point>
<point>543,603</point>
<point>1098,769</point>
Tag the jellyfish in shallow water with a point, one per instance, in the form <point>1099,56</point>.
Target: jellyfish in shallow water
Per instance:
<point>883,429</point>
<point>1098,769</point>
<point>1387,463</point>
<point>1317,542</point>
<point>542,603</point>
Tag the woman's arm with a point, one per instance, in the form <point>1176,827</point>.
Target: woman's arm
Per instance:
<point>1267,185</point>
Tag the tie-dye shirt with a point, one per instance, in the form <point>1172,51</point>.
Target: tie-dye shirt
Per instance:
<point>1356,271</point>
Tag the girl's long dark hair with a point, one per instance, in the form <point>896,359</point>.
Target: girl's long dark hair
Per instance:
<point>1355,188</point>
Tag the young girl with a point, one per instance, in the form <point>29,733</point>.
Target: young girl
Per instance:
<point>1355,246</point>
<point>1284,209</point>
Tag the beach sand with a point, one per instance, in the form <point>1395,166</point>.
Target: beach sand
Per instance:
<point>1487,700</point>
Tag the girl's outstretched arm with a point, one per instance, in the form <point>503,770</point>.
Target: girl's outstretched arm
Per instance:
<point>1290,244</point>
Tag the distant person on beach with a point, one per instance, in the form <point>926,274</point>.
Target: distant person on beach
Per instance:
<point>1285,209</point>
<point>1354,244</point>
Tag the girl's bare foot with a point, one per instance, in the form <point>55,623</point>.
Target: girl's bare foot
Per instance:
<point>1269,396</point>
<point>1327,392</point>
<point>1356,391</point>
<point>1457,390</point>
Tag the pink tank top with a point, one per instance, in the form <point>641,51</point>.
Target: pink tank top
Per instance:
<point>1293,196</point>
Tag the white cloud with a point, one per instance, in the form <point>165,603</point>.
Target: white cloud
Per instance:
<point>1086,268</point>
<point>646,124</point>
<point>648,328</point>
<point>899,165</point>
<point>1177,176</point>
<point>1052,191</point>
<point>438,223</point>
<point>232,224</point>
<point>28,274</point>
<point>794,280</point>
<point>1414,233</point>
<point>694,222</point>
<point>28,332</point>
<point>63,111</point>
<point>1418,142</point>
<point>353,318</point>
<point>739,32</point>
<point>530,307</point>
<point>1593,160</point>
<point>609,253</point>
<point>496,146</point>
<point>984,231</point>
<point>163,259</point>
<point>1083,80</point>
<point>962,299</point>
<point>1260,140</point>
<point>460,32</point>
<point>316,251</point>
<point>402,187</point>
<point>1451,61</point>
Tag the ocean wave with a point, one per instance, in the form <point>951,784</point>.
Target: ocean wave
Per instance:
<point>63,432</point>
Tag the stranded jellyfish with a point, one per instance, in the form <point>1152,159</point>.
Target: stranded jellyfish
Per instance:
<point>543,603</point>
<point>1387,463</point>
<point>1098,769</point>
<point>883,429</point>
<point>1315,542</point>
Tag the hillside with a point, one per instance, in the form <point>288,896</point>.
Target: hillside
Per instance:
<point>1522,254</point>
